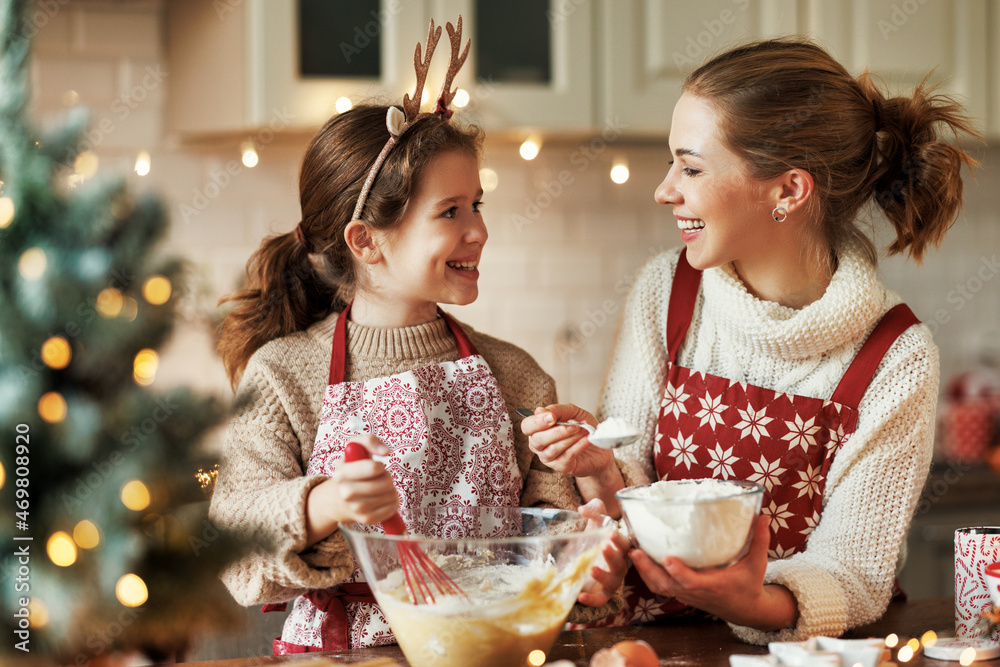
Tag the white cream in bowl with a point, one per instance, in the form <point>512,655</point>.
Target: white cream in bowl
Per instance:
<point>704,523</point>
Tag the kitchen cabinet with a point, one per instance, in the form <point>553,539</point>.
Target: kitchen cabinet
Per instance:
<point>901,41</point>
<point>234,64</point>
<point>651,45</point>
<point>562,101</point>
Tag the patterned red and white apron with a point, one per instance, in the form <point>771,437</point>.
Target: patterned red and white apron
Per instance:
<point>451,443</point>
<point>711,427</point>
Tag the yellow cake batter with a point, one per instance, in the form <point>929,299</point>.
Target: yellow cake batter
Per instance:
<point>514,610</point>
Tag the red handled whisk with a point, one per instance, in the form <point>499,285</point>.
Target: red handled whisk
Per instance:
<point>421,574</point>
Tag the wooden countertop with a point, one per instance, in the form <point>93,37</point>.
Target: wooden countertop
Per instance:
<point>687,642</point>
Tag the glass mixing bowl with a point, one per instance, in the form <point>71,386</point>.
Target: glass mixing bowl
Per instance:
<point>520,569</point>
<point>703,523</point>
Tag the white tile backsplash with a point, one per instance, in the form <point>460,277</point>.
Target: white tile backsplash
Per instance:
<point>565,242</point>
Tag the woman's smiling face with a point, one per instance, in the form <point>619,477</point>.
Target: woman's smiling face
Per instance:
<point>721,211</point>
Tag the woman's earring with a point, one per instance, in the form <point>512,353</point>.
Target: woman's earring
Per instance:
<point>779,214</point>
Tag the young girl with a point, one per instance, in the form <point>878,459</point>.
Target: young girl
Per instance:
<point>768,350</point>
<point>338,334</point>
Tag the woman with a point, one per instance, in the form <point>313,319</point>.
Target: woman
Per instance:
<point>767,349</point>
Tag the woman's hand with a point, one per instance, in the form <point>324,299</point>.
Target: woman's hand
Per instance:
<point>359,491</point>
<point>736,593</point>
<point>565,449</point>
<point>609,569</point>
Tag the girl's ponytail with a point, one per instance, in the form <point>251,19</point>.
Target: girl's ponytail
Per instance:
<point>282,295</point>
<point>917,179</point>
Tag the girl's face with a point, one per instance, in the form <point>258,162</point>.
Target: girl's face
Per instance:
<point>432,256</point>
<point>722,213</point>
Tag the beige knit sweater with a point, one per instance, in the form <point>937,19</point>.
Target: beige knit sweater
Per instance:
<point>844,577</point>
<point>261,490</point>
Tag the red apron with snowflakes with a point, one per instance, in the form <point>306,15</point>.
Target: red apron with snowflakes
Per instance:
<point>711,427</point>
<point>451,443</point>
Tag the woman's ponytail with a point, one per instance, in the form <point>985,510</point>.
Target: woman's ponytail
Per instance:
<point>282,295</point>
<point>917,178</point>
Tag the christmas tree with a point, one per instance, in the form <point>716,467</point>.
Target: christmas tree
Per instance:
<point>105,540</point>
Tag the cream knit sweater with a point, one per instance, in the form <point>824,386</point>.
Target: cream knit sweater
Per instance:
<point>261,490</point>
<point>844,578</point>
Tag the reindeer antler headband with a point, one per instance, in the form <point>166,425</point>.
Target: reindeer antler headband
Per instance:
<point>396,121</point>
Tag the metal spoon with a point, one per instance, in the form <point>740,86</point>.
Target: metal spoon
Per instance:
<point>603,443</point>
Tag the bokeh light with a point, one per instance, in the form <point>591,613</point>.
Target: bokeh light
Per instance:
<point>619,173</point>
<point>86,535</point>
<point>61,549</point>
<point>56,352</point>
<point>249,152</point>
<point>38,613</point>
<point>343,104</point>
<point>110,302</point>
<point>156,290</point>
<point>905,654</point>
<point>144,367</point>
<point>131,309</point>
<point>52,407</point>
<point>131,590</point>
<point>6,211</point>
<point>461,98</point>
<point>967,657</point>
<point>489,179</point>
<point>32,263</point>
<point>3,475</point>
<point>529,149</point>
<point>142,163</point>
<point>892,640</point>
<point>929,638</point>
<point>135,495</point>
<point>86,164</point>
<point>536,658</point>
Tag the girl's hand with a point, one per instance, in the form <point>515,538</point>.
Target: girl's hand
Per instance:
<point>565,449</point>
<point>608,571</point>
<point>359,491</point>
<point>736,593</point>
